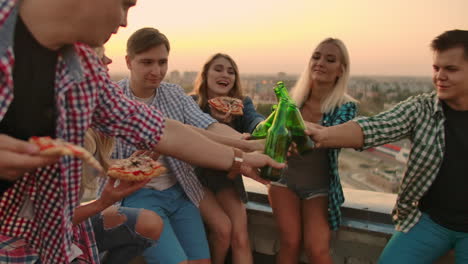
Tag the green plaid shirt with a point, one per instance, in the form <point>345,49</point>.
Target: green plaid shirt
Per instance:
<point>420,119</point>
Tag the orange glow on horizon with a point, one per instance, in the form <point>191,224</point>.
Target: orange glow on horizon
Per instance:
<point>383,38</point>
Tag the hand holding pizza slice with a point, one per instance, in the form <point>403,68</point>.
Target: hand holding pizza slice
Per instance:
<point>227,104</point>
<point>136,168</point>
<point>57,147</point>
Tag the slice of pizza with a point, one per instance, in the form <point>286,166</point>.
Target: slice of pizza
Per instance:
<point>136,168</point>
<point>227,104</point>
<point>58,147</point>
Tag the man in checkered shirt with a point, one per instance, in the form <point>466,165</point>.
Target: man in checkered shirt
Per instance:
<point>431,213</point>
<point>53,84</point>
<point>175,195</point>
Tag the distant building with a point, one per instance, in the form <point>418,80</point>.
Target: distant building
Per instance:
<point>174,77</point>
<point>189,76</point>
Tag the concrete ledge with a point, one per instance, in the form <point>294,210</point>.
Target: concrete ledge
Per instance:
<point>366,227</point>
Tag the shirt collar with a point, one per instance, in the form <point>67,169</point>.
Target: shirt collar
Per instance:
<point>7,31</point>
<point>437,105</point>
<point>73,62</point>
<point>125,84</point>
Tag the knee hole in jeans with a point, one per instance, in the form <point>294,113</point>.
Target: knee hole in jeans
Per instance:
<point>112,218</point>
<point>149,224</point>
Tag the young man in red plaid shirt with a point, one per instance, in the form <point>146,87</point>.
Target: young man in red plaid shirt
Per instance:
<point>51,84</point>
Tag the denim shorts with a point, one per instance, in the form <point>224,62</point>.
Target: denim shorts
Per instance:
<point>302,192</point>
<point>183,236</point>
<point>216,181</point>
<point>307,175</point>
<point>121,243</point>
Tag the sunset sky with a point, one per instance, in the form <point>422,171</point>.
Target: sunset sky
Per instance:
<point>388,37</point>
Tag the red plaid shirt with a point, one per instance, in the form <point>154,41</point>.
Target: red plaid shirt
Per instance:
<point>15,250</point>
<point>85,97</point>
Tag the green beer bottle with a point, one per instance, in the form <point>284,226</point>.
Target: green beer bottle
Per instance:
<point>282,92</point>
<point>278,141</point>
<point>296,125</point>
<point>261,129</point>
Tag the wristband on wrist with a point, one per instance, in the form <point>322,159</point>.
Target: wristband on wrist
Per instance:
<point>234,171</point>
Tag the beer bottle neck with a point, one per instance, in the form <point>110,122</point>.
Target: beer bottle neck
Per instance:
<point>281,113</point>
<point>281,92</point>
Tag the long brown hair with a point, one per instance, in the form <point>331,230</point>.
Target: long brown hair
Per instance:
<point>200,86</point>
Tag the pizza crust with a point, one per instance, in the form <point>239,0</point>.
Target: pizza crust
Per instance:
<point>139,177</point>
<point>136,168</point>
<point>57,147</point>
<point>227,104</point>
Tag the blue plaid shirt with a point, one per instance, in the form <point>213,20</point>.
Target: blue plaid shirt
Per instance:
<point>172,101</point>
<point>338,116</point>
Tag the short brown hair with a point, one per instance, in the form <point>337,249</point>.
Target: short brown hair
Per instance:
<point>451,39</point>
<point>145,39</point>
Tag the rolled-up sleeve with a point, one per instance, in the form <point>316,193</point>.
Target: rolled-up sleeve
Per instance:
<point>391,125</point>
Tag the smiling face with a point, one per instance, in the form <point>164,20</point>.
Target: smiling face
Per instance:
<point>148,68</point>
<point>221,77</point>
<point>450,77</point>
<point>326,65</point>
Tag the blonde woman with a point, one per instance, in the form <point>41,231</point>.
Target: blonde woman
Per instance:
<point>306,201</point>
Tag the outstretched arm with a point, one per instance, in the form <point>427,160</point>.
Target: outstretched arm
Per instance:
<point>188,145</point>
<point>347,135</point>
<point>237,142</point>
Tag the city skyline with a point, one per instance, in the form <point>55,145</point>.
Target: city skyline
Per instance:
<point>383,38</point>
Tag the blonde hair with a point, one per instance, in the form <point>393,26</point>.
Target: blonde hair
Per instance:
<point>101,147</point>
<point>338,96</point>
<point>200,86</point>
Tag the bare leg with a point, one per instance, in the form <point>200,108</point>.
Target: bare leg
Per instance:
<point>235,209</point>
<point>287,211</point>
<point>317,230</point>
<point>149,224</point>
<point>219,227</point>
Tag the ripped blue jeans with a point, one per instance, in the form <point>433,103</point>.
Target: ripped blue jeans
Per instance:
<point>121,243</point>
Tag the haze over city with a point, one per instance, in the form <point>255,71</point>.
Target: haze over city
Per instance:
<point>270,36</point>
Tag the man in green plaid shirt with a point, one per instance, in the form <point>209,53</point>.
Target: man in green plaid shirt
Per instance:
<point>431,212</point>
